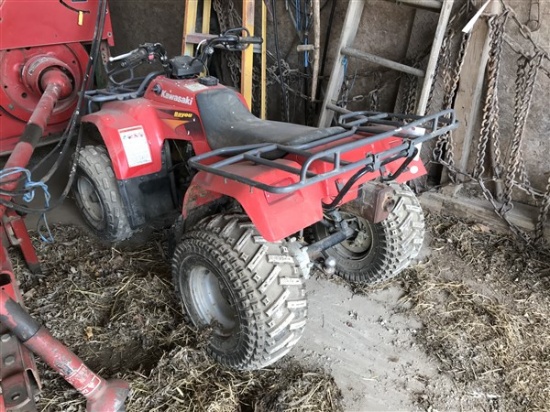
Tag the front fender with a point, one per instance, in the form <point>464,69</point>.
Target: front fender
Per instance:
<point>275,216</point>
<point>133,135</point>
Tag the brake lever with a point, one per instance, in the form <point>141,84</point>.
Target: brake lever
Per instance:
<point>121,56</point>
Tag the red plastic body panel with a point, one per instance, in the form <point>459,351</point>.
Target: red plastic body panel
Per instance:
<point>172,113</point>
<point>32,23</point>
<point>275,216</point>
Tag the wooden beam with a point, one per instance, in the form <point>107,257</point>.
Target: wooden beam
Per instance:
<point>351,23</point>
<point>434,5</point>
<point>481,210</point>
<point>382,61</point>
<point>247,56</point>
<point>263,107</point>
<point>206,12</point>
<point>470,92</point>
<point>434,56</point>
<point>189,26</point>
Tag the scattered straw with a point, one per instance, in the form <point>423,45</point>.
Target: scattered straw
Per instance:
<point>485,305</point>
<point>117,310</point>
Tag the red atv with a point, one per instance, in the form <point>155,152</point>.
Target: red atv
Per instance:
<point>259,202</point>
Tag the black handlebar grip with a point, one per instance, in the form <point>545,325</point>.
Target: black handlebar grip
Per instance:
<point>135,57</point>
<point>251,40</point>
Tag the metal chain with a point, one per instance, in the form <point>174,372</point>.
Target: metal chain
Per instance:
<point>442,66</point>
<point>444,149</point>
<point>287,76</point>
<point>489,126</point>
<point>451,82</point>
<point>374,95</point>
<point>227,20</point>
<point>445,51</point>
<point>543,215</point>
<point>410,99</point>
<point>525,83</point>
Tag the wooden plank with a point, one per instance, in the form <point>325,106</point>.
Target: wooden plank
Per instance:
<point>470,92</point>
<point>189,26</point>
<point>247,56</point>
<point>434,56</point>
<point>481,210</point>
<point>434,5</point>
<point>351,52</point>
<point>351,23</point>
<point>206,12</point>
<point>263,107</point>
<point>316,48</point>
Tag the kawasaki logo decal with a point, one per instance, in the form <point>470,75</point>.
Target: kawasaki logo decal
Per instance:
<point>183,100</point>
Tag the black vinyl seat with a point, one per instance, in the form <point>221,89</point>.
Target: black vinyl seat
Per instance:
<point>227,122</point>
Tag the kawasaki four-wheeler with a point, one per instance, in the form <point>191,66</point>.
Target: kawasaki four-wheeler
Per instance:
<point>259,202</point>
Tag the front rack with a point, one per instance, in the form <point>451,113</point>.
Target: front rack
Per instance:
<point>379,126</point>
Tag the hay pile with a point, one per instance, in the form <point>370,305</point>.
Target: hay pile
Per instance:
<point>485,305</point>
<point>117,310</point>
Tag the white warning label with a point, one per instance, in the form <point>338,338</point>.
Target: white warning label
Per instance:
<point>136,147</point>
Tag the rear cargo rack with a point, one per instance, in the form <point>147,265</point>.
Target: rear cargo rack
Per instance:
<point>413,130</point>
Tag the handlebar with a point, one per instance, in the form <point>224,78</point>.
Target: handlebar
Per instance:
<point>251,40</point>
<point>231,40</point>
<point>121,56</point>
<point>136,57</point>
<point>121,69</point>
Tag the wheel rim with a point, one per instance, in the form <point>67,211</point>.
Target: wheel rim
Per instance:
<point>91,202</point>
<point>361,243</point>
<point>211,301</point>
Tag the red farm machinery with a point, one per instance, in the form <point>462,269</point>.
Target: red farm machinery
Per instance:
<point>44,67</point>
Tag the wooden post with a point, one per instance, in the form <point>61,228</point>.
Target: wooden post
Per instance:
<point>351,23</point>
<point>470,89</point>
<point>434,56</point>
<point>189,25</point>
<point>470,92</point>
<point>263,108</point>
<point>206,12</point>
<point>247,58</point>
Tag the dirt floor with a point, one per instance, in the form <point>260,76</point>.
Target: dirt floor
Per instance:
<point>465,329</point>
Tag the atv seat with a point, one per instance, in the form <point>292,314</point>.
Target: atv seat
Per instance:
<point>227,122</point>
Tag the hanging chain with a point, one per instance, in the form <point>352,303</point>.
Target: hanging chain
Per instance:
<point>444,149</point>
<point>489,126</point>
<point>445,52</point>
<point>525,83</point>
<point>443,66</point>
<point>411,89</point>
<point>543,215</point>
<point>374,94</point>
<point>451,80</point>
<point>227,20</point>
<point>410,98</point>
<point>490,132</point>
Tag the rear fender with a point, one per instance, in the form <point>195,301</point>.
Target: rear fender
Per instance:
<point>275,216</point>
<point>133,135</point>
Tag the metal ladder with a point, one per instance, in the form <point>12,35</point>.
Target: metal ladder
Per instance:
<point>192,36</point>
<point>346,49</point>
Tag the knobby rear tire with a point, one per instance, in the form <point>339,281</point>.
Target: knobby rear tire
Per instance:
<point>248,290</point>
